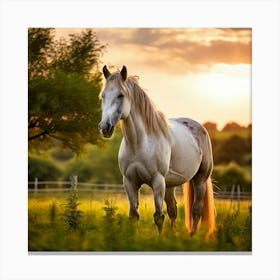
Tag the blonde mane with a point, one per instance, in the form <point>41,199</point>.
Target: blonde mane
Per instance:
<point>154,120</point>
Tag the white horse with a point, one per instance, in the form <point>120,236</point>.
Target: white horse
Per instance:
<point>158,152</point>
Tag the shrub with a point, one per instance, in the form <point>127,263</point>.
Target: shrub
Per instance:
<point>98,165</point>
<point>62,155</point>
<point>232,174</point>
<point>43,169</point>
<point>82,168</point>
<point>72,215</point>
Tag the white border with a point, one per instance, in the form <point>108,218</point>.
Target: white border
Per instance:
<point>262,16</point>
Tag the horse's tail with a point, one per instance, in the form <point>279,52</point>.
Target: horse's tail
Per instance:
<point>208,213</point>
<point>188,201</point>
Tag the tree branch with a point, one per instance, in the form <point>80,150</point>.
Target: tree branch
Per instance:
<point>37,135</point>
<point>32,124</point>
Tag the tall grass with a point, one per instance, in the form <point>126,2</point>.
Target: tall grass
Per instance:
<point>105,226</point>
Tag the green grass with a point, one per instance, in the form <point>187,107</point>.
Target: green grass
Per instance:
<point>104,226</point>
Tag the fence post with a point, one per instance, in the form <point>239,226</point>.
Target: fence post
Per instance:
<point>35,186</point>
<point>238,193</point>
<point>74,182</point>
<point>232,192</point>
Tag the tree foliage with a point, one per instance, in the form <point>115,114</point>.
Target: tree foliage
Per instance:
<point>63,88</point>
<point>99,165</point>
<point>233,126</point>
<point>211,126</point>
<point>235,148</point>
<point>40,43</point>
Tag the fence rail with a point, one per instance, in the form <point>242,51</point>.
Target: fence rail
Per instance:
<point>235,192</point>
<point>61,183</point>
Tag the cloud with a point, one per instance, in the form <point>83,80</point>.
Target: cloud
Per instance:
<point>182,50</point>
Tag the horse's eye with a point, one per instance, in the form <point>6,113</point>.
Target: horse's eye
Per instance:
<point>120,96</point>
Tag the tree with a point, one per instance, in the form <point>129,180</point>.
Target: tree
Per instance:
<point>40,42</point>
<point>210,126</point>
<point>235,148</point>
<point>63,88</point>
<point>233,126</point>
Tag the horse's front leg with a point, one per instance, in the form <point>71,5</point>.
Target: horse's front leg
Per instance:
<point>158,185</point>
<point>133,195</point>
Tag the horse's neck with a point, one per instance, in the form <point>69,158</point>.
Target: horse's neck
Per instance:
<point>133,130</point>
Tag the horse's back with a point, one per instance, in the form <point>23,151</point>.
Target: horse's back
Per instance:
<point>197,130</point>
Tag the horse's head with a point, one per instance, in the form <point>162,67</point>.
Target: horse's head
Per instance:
<point>115,101</point>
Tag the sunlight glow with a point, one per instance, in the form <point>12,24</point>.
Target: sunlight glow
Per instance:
<point>221,95</point>
<point>185,71</point>
<point>226,83</point>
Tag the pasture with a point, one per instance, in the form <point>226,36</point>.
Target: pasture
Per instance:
<point>102,225</point>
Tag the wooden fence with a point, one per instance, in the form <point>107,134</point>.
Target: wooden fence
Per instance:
<point>66,186</point>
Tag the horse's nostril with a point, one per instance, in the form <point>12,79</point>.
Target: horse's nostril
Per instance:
<point>106,128</point>
<point>102,126</point>
<point>109,127</point>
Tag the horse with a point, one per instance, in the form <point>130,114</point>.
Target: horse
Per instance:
<point>162,153</point>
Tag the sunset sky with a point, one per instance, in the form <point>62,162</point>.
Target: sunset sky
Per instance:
<point>201,73</point>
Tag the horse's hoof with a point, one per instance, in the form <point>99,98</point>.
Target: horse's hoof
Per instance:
<point>159,230</point>
<point>159,219</point>
<point>193,233</point>
<point>174,229</point>
<point>134,216</point>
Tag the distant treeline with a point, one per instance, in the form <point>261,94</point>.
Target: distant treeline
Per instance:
<point>230,126</point>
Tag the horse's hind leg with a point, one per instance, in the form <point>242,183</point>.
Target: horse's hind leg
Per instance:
<point>199,188</point>
<point>171,204</point>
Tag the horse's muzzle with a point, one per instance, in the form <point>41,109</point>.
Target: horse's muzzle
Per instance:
<point>106,129</point>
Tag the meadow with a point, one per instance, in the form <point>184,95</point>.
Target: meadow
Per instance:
<point>99,222</point>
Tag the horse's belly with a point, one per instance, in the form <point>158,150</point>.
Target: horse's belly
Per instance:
<point>182,168</point>
<point>185,156</point>
<point>175,178</point>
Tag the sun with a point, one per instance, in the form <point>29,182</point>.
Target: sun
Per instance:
<point>223,84</point>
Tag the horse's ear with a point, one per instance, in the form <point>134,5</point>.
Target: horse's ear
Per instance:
<point>124,73</point>
<point>106,72</point>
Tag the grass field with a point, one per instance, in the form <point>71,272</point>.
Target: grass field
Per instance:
<point>92,222</point>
